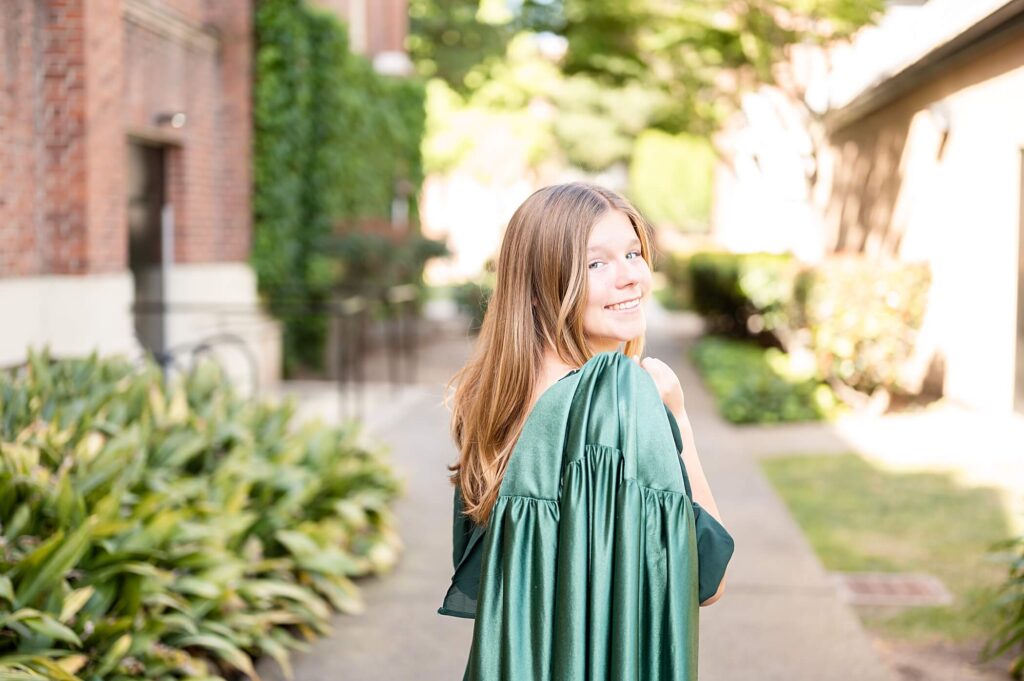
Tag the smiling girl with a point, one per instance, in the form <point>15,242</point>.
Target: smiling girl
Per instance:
<point>576,524</point>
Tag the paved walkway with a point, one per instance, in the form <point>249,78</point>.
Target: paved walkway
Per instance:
<point>778,620</point>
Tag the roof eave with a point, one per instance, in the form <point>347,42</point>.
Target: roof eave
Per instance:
<point>1002,26</point>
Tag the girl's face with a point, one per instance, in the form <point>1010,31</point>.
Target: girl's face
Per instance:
<point>619,282</point>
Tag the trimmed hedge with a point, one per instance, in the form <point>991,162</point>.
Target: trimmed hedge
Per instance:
<point>742,293</point>
<point>163,531</point>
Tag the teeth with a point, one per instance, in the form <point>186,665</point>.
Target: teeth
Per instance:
<point>625,306</point>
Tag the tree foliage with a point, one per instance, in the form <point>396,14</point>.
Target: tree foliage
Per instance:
<point>449,38</point>
<point>670,178</point>
<point>699,53</point>
<point>541,114</point>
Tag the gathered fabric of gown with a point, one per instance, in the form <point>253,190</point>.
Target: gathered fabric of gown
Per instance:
<point>595,558</point>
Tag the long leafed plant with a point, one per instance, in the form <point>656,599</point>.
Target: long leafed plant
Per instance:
<point>174,531</point>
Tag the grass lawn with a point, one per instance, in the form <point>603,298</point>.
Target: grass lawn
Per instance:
<point>862,518</point>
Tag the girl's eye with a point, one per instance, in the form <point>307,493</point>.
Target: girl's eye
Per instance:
<point>598,262</point>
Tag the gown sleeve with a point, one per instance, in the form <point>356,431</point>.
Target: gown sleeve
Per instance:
<point>714,543</point>
<point>467,551</point>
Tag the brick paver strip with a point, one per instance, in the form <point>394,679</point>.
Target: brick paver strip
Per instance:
<point>890,589</point>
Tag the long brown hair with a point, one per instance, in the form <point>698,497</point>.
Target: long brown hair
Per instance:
<point>538,301</point>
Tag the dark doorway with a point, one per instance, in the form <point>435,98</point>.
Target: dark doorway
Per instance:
<point>146,212</point>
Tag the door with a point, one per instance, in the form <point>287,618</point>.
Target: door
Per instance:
<point>146,197</point>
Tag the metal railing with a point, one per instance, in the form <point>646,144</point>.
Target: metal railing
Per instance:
<point>356,320</point>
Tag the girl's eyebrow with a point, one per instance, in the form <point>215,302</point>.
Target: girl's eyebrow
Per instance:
<point>632,244</point>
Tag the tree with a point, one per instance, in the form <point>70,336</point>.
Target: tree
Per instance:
<point>701,53</point>
<point>448,38</point>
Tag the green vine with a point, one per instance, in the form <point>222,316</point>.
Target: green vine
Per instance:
<point>332,141</point>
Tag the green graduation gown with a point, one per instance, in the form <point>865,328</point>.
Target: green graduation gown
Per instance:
<point>595,558</point>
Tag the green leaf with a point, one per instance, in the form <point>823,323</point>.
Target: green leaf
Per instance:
<point>37,658</point>
<point>63,558</point>
<point>74,601</point>
<point>224,649</point>
<point>18,615</point>
<point>46,625</point>
<point>55,672</point>
<point>14,675</point>
<point>114,654</point>
<point>18,522</point>
<point>269,589</point>
<point>341,592</point>
<point>198,587</point>
<point>279,653</point>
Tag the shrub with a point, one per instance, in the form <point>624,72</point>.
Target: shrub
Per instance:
<point>757,385</point>
<point>375,262</point>
<point>471,297</point>
<point>859,318</point>
<point>677,293</point>
<point>155,530</point>
<point>670,178</point>
<point>1009,602</point>
<point>862,317</point>
<point>743,293</point>
<point>372,261</point>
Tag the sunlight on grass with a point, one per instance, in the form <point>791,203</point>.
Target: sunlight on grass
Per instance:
<point>862,518</point>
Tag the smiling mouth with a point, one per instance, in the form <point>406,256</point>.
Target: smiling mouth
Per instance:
<point>626,305</point>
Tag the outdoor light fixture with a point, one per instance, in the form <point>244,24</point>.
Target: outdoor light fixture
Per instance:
<point>175,119</point>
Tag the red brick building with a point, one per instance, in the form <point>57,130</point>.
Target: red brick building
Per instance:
<point>377,28</point>
<point>125,170</point>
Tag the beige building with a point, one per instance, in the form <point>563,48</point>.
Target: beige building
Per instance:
<point>906,143</point>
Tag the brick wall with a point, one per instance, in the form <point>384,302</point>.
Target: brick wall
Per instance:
<point>77,78</point>
<point>105,219</point>
<point>234,179</point>
<point>42,191</point>
<point>18,159</point>
<point>385,23</point>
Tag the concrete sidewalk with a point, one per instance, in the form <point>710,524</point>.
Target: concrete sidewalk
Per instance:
<point>779,618</point>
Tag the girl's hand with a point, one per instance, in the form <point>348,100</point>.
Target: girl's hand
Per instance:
<point>667,382</point>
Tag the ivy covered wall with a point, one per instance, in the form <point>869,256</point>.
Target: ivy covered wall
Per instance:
<point>332,141</point>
